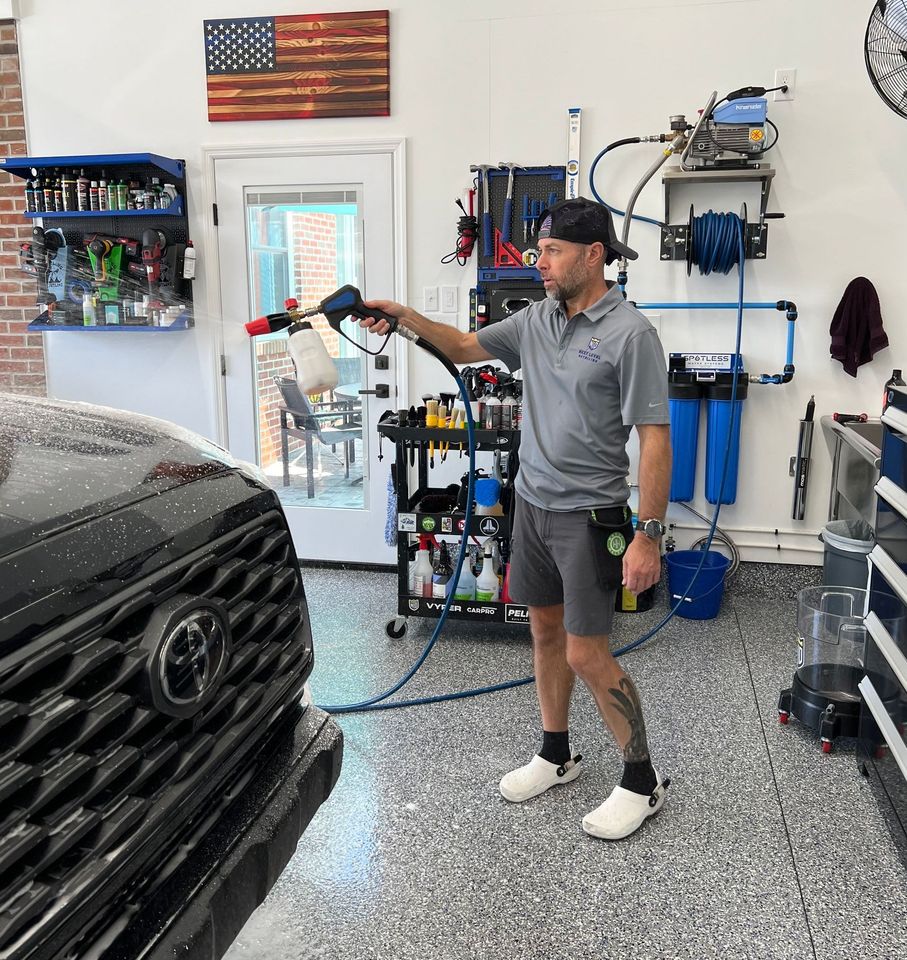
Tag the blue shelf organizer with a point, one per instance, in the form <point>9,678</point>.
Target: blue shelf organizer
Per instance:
<point>110,221</point>
<point>37,326</point>
<point>23,166</point>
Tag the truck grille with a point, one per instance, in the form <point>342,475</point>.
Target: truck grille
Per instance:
<point>96,784</point>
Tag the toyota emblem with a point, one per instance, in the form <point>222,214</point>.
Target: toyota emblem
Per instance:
<point>190,648</point>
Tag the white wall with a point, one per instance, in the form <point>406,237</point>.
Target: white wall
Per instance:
<point>485,81</point>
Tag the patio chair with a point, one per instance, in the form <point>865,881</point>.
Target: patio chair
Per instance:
<point>329,424</point>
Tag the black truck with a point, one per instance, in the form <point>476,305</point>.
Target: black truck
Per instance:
<point>159,759</point>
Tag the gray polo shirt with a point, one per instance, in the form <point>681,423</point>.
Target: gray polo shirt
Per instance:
<point>586,381</point>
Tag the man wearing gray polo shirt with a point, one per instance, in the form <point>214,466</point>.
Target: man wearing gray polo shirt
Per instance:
<point>592,368</point>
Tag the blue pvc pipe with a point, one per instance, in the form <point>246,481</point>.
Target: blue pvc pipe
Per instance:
<point>707,306</point>
<point>790,343</point>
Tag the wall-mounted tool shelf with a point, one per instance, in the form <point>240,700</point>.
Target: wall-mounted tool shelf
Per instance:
<point>133,258</point>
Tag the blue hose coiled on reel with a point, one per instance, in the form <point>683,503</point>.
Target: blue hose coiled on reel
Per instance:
<point>715,242</point>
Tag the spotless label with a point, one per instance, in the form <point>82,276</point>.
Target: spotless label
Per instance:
<point>489,526</point>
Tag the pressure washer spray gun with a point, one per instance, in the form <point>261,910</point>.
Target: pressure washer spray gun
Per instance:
<point>316,372</point>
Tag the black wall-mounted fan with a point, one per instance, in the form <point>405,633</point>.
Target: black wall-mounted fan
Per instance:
<point>886,52</point>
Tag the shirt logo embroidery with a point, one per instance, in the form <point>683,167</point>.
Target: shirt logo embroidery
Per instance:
<point>593,343</point>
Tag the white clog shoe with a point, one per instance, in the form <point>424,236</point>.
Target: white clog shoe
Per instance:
<point>624,812</point>
<point>537,776</point>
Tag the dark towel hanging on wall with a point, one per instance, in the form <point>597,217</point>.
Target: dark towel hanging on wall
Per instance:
<point>856,328</point>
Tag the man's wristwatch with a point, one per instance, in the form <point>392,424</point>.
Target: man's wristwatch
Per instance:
<point>653,529</point>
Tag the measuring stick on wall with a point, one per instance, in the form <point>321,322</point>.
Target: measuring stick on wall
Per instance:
<point>574,116</point>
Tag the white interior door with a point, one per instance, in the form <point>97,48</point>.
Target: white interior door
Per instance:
<point>302,227</point>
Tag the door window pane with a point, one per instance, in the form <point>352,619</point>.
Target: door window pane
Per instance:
<point>312,448</point>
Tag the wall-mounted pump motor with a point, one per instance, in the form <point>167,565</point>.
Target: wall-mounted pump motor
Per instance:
<point>734,133</point>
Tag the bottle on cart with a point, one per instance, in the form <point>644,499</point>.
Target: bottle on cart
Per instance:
<point>443,573</point>
<point>422,571</point>
<point>189,261</point>
<point>93,195</point>
<point>492,412</point>
<point>58,194</point>
<point>895,380</point>
<point>69,191</point>
<point>30,197</point>
<point>466,582</point>
<point>102,195</point>
<point>82,192</point>
<point>487,584</point>
<point>47,188</point>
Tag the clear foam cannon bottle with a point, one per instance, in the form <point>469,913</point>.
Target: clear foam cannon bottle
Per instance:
<point>315,370</point>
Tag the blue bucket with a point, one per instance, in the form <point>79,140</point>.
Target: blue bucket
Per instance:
<point>703,600</point>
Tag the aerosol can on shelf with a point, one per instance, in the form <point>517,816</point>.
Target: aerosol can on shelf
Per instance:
<point>315,371</point>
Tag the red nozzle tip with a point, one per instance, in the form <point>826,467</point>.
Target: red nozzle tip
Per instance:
<point>291,304</point>
<point>256,328</point>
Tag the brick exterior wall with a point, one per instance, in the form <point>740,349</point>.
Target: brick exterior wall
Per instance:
<point>313,245</point>
<point>21,353</point>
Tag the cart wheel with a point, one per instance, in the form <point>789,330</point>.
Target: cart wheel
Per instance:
<point>783,716</point>
<point>826,746</point>
<point>395,628</point>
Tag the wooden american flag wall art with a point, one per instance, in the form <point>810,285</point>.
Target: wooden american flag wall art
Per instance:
<point>298,67</point>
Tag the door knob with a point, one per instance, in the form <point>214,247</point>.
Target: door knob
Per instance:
<point>382,391</point>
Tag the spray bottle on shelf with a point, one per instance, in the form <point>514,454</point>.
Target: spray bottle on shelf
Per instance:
<point>466,584</point>
<point>894,380</point>
<point>442,574</point>
<point>487,584</point>
<point>422,571</point>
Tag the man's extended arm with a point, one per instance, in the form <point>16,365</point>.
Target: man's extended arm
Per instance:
<point>642,561</point>
<point>460,347</point>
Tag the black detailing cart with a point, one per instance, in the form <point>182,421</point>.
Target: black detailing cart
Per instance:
<point>412,448</point>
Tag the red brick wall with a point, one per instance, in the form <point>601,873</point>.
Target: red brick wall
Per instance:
<point>21,353</point>
<point>271,360</point>
<point>313,255</point>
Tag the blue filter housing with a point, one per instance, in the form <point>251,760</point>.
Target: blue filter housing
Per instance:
<point>719,412</point>
<point>684,400</point>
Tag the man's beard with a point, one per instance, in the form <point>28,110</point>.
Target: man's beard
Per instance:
<point>570,286</point>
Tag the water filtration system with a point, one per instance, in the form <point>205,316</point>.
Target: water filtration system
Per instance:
<point>726,145</point>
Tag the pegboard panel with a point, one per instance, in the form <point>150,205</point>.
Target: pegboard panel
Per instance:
<point>538,185</point>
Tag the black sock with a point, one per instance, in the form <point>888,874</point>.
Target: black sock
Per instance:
<point>639,777</point>
<point>555,747</point>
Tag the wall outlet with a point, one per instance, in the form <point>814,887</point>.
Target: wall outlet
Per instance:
<point>786,76</point>
<point>449,299</point>
<point>430,299</point>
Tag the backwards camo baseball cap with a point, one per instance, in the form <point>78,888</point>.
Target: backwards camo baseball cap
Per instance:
<point>582,221</point>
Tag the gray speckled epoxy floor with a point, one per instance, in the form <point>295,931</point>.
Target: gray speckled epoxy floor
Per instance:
<point>766,848</point>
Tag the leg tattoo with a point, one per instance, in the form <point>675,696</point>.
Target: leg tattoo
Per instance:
<point>626,699</point>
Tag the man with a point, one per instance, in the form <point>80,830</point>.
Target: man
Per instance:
<point>592,368</point>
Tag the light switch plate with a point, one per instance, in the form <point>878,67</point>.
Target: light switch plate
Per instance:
<point>448,299</point>
<point>430,299</point>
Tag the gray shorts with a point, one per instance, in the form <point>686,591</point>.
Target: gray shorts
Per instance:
<point>564,558</point>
